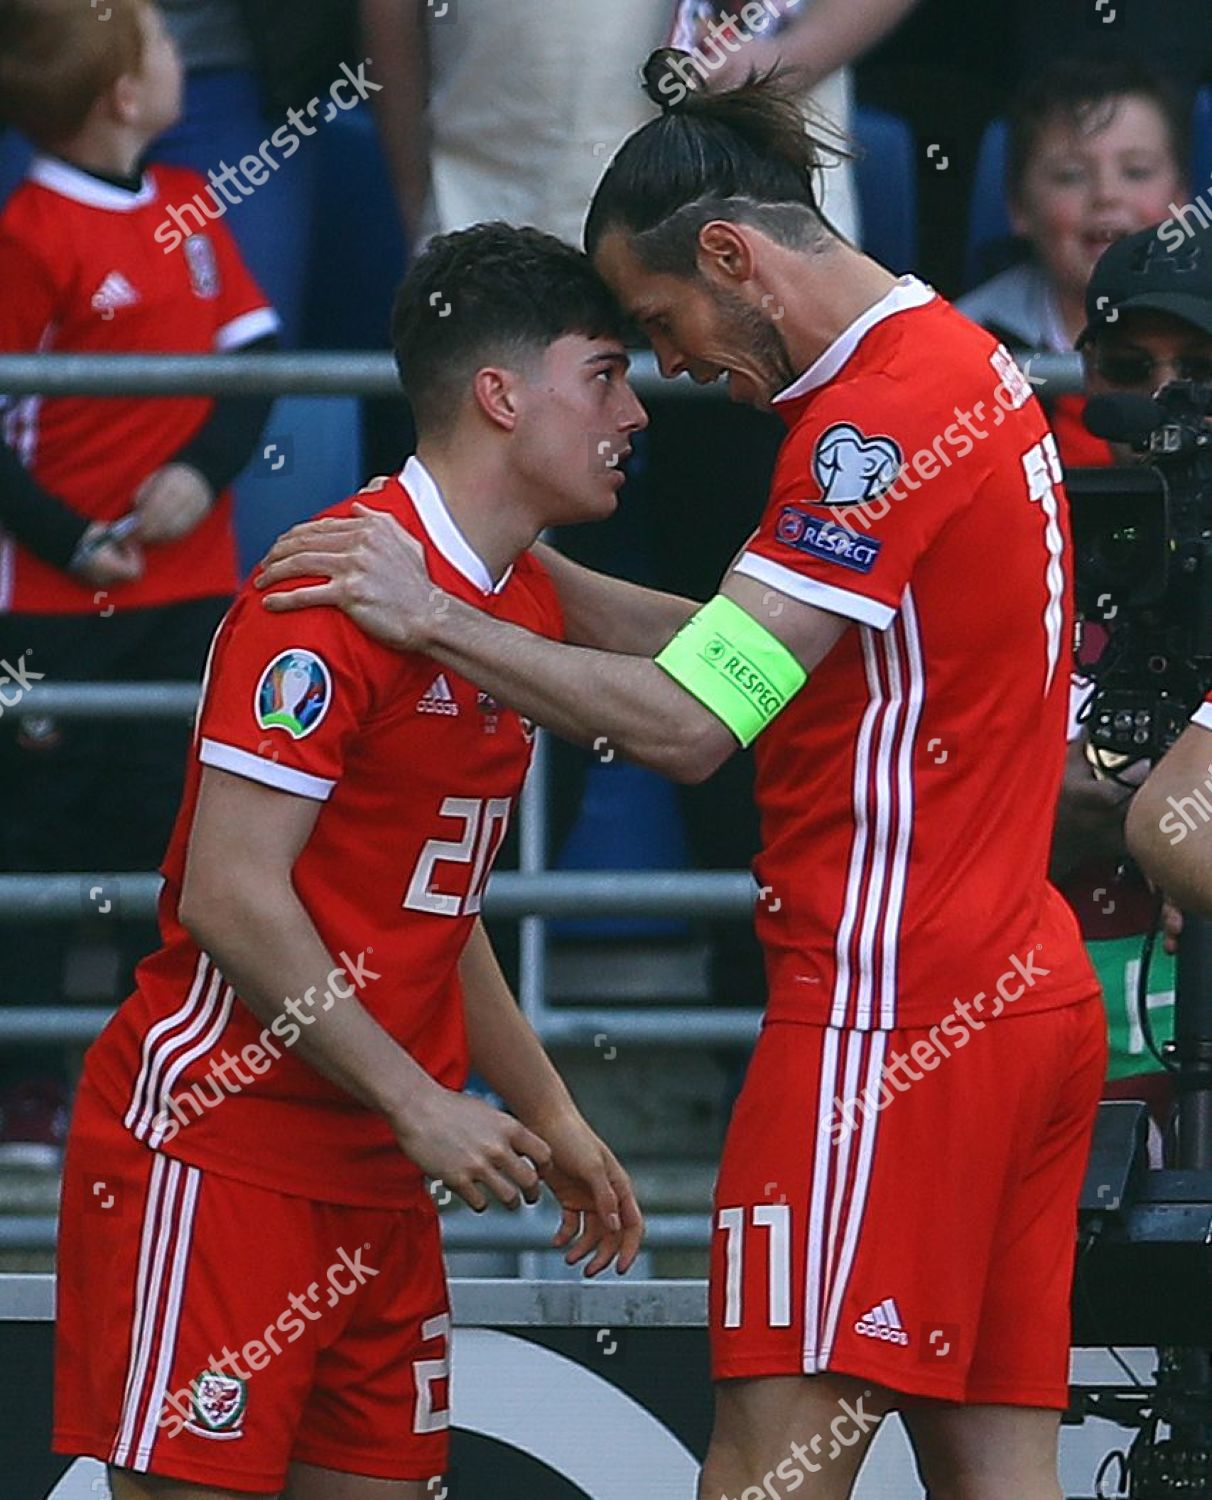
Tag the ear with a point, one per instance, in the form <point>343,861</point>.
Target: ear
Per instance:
<point>726,251</point>
<point>495,393</point>
<point>122,101</point>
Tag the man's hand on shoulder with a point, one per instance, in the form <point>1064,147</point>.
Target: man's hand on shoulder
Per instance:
<point>375,572</point>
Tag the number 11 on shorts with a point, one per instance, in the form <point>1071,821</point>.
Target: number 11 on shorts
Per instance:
<point>775,1220</point>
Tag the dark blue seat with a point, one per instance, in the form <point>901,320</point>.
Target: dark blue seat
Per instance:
<point>886,172</point>
<point>629,820</point>
<point>1201,147</point>
<point>989,230</point>
<point>310,457</point>
<point>358,254</point>
<point>15,153</point>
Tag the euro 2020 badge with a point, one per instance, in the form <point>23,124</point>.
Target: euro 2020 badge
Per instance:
<point>294,693</point>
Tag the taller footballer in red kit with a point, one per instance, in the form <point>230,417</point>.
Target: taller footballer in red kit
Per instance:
<point>895,1212</point>
<point>251,1290</point>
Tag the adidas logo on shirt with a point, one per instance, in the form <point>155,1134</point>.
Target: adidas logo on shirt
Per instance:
<point>439,699</point>
<point>883,1322</point>
<point>114,292</point>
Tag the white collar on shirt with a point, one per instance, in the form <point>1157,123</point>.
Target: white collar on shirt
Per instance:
<point>82,187</point>
<point>908,292</point>
<point>442,531</point>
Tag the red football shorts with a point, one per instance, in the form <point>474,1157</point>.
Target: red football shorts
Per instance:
<point>914,1232</point>
<point>215,1332</point>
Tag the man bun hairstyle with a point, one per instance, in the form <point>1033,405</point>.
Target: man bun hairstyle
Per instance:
<point>745,154</point>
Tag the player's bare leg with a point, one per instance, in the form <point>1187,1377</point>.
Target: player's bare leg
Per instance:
<point>985,1452</point>
<point>306,1482</point>
<point>817,1426</point>
<point>126,1485</point>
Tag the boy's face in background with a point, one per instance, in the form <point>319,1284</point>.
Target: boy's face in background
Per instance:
<point>154,94</point>
<point>1089,183</point>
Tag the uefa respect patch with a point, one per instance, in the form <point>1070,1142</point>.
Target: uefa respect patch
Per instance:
<point>827,540</point>
<point>294,693</point>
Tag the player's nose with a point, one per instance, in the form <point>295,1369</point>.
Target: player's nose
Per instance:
<point>634,416</point>
<point>670,360</point>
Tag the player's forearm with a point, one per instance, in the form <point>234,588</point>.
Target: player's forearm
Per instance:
<point>611,614</point>
<point>1180,866</point>
<point>394,35</point>
<point>581,694</point>
<point>266,947</point>
<point>1171,846</point>
<point>503,1046</point>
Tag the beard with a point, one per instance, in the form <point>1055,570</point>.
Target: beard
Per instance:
<point>760,337</point>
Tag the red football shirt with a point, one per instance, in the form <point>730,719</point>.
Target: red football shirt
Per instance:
<point>84,274</point>
<point>417,772</point>
<point>908,792</point>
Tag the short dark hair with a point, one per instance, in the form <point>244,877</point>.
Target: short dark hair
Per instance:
<point>743,154</point>
<point>1075,89</point>
<point>490,292</point>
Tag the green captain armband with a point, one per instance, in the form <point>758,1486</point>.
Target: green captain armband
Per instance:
<point>734,667</point>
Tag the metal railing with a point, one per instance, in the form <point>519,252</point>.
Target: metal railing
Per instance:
<point>497,1229</point>
<point>340,374</point>
<point>532,895</point>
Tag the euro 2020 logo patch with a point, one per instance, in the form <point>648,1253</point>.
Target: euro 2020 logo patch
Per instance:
<point>294,693</point>
<point>852,468</point>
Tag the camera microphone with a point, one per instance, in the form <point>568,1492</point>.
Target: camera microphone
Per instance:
<point>1123,418</point>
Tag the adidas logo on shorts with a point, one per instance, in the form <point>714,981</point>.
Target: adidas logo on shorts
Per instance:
<point>883,1322</point>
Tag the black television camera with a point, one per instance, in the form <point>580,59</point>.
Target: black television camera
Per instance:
<point>1142,538</point>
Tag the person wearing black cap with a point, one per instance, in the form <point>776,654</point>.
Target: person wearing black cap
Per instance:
<point>1148,322</point>
<point>1149,314</point>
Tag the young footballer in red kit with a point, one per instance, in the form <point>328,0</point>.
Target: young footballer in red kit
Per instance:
<point>896,1207</point>
<point>252,1296</point>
